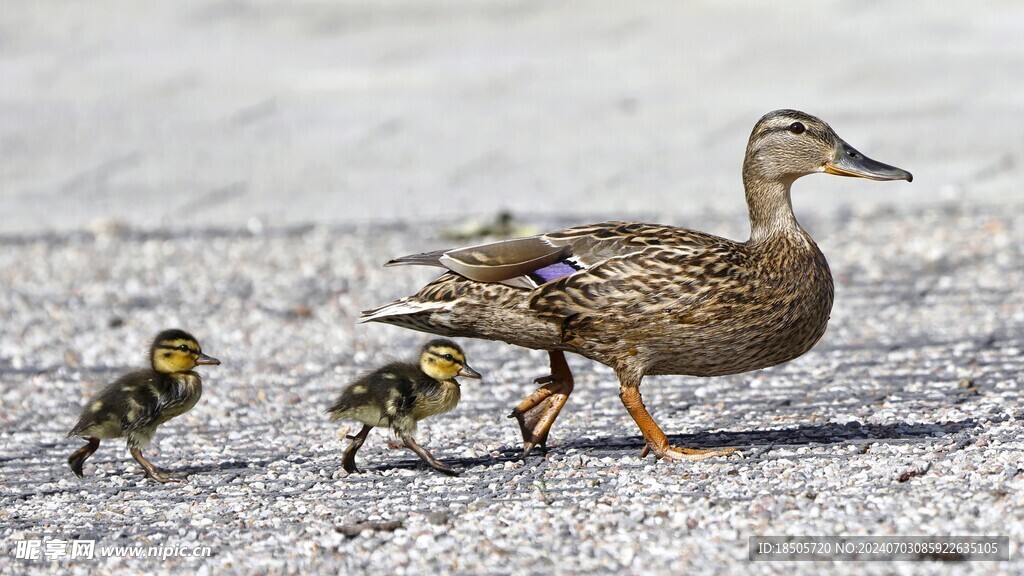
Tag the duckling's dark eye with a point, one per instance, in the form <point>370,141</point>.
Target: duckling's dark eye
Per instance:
<point>449,357</point>
<point>184,348</point>
<point>797,128</point>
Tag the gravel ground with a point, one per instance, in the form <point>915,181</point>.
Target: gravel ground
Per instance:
<point>903,420</point>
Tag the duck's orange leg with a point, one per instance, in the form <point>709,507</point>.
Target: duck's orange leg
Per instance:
<point>629,393</point>
<point>538,411</point>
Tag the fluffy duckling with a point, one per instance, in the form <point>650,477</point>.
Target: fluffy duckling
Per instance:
<point>135,404</point>
<point>400,394</point>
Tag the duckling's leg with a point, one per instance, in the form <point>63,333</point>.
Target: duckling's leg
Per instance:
<point>78,457</point>
<point>428,457</point>
<point>629,393</point>
<point>538,411</point>
<point>151,470</point>
<point>348,462</point>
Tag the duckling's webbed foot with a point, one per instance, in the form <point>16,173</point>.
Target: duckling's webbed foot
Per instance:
<point>77,458</point>
<point>538,411</point>
<point>655,438</point>
<point>348,462</point>
<point>427,457</point>
<point>151,471</point>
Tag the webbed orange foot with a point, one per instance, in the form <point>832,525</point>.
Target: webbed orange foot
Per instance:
<point>673,453</point>
<point>656,441</point>
<point>538,411</point>
<point>163,478</point>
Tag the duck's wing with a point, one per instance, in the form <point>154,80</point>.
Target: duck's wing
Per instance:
<point>504,261</point>
<point>536,260</point>
<point>635,286</point>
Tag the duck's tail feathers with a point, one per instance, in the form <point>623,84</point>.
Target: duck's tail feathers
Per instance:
<point>399,308</point>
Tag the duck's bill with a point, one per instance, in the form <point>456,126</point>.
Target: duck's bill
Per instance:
<point>469,372</point>
<point>849,162</point>
<point>208,360</point>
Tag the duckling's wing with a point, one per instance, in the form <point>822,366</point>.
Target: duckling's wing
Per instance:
<point>107,412</point>
<point>154,402</point>
<point>377,397</point>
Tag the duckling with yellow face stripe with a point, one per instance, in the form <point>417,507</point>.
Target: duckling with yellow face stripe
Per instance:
<point>135,404</point>
<point>400,394</point>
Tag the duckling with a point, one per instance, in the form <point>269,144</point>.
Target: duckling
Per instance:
<point>400,394</point>
<point>135,404</point>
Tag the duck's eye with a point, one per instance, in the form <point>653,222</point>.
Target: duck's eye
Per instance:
<point>184,348</point>
<point>449,357</point>
<point>797,128</point>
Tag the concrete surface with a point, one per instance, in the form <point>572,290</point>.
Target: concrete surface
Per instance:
<point>241,169</point>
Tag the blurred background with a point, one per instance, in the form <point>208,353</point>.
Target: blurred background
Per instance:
<point>250,113</point>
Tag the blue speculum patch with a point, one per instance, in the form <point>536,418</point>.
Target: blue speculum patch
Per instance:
<point>553,271</point>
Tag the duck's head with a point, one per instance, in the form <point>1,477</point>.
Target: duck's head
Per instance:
<point>177,351</point>
<point>443,360</point>
<point>788,144</point>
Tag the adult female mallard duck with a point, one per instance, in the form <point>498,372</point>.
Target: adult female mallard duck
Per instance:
<point>134,405</point>
<point>647,298</point>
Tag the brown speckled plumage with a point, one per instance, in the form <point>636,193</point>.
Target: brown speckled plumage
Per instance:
<point>653,299</point>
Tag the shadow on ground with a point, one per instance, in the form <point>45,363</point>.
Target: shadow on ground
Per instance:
<point>753,444</point>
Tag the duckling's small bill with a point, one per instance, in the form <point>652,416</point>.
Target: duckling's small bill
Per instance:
<point>468,372</point>
<point>134,405</point>
<point>400,394</point>
<point>205,360</point>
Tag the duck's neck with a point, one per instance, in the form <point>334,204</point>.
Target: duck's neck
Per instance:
<point>770,207</point>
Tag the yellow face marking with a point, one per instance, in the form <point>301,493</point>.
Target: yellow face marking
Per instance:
<point>178,355</point>
<point>179,342</point>
<point>96,406</point>
<point>442,362</point>
<point>443,351</point>
<point>360,389</point>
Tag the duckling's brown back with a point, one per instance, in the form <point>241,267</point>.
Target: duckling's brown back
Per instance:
<point>377,397</point>
<point>134,402</point>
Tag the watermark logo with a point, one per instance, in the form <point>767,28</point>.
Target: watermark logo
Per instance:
<point>879,548</point>
<point>52,549</point>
